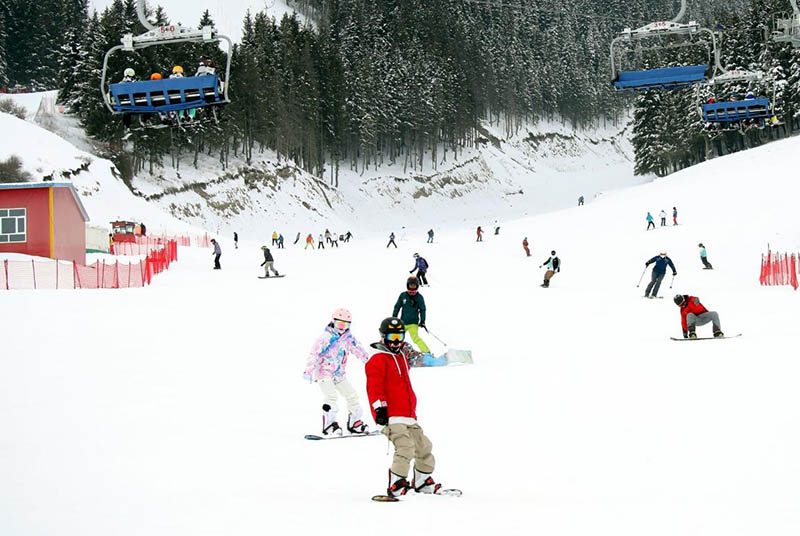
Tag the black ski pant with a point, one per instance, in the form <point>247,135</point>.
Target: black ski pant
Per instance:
<point>706,263</point>
<point>321,245</point>
<point>663,222</point>
<point>655,284</point>
<point>391,243</point>
<point>422,278</point>
<point>216,261</point>
<point>649,224</point>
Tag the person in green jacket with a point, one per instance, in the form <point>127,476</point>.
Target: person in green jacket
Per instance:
<point>412,305</point>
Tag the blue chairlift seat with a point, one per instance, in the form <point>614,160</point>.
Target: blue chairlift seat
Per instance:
<point>729,112</point>
<point>170,95</point>
<point>664,78</point>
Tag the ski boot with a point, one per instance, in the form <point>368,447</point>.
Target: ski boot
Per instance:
<point>398,485</point>
<point>355,425</point>
<point>718,334</point>
<point>329,425</point>
<point>692,334</point>
<point>423,482</point>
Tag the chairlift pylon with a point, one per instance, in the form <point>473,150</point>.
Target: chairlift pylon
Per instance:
<point>786,26</point>
<point>172,95</point>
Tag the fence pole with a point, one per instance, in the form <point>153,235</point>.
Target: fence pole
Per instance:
<point>56,274</point>
<point>5,265</point>
<point>33,269</point>
<point>116,273</point>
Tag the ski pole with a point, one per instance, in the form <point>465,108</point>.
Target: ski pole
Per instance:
<point>435,337</point>
<point>641,277</point>
<point>672,281</point>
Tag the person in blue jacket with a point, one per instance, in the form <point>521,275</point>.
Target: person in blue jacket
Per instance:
<point>421,267</point>
<point>650,221</point>
<point>659,271</point>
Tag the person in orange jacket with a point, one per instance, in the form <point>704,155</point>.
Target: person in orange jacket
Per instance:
<point>525,246</point>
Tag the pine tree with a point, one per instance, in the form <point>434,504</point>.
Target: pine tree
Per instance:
<point>3,39</point>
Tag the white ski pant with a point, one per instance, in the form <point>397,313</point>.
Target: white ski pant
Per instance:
<point>331,389</point>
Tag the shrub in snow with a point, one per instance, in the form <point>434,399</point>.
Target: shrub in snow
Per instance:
<point>11,170</point>
<point>10,107</point>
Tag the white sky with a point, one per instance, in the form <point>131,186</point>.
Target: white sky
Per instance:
<point>227,14</point>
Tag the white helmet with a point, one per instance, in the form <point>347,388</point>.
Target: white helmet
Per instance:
<point>130,72</point>
<point>342,314</point>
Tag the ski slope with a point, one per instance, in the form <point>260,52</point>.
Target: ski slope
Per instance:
<point>179,409</point>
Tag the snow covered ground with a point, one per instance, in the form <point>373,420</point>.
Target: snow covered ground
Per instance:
<point>179,409</point>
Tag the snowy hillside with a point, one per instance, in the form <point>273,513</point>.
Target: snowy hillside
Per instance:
<point>179,409</point>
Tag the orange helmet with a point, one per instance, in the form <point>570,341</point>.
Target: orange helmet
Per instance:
<point>155,76</point>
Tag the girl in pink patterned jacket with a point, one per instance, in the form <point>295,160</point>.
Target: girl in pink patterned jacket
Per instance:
<point>326,366</point>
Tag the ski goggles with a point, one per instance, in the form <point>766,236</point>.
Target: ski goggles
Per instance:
<point>395,337</point>
<point>412,290</point>
<point>341,325</point>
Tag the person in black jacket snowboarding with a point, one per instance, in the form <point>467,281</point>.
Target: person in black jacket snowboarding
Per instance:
<point>659,271</point>
<point>421,267</point>
<point>268,261</point>
<point>553,265</point>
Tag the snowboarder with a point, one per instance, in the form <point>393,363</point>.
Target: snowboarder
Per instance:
<point>525,246</point>
<point>421,267</point>
<point>663,216</point>
<point>480,234</point>
<point>694,314</point>
<point>327,364</point>
<point>413,315</point>
<point>235,240</point>
<point>393,404</point>
<point>674,216</point>
<point>217,254</point>
<point>704,257</point>
<point>309,241</point>
<point>580,201</point>
<point>391,241</point>
<point>268,260</point>
<point>659,271</point>
<point>650,221</point>
<point>553,265</point>
<point>430,236</point>
<point>280,241</point>
<point>321,244</point>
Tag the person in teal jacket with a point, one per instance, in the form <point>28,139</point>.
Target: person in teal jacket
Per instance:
<point>411,306</point>
<point>650,221</point>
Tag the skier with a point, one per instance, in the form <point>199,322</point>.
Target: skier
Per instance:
<point>274,238</point>
<point>321,244</point>
<point>663,216</point>
<point>430,236</point>
<point>525,246</point>
<point>497,230</point>
<point>391,241</point>
<point>421,267</point>
<point>280,241</point>
<point>480,234</point>
<point>553,265</point>
<point>129,75</point>
<point>309,241</point>
<point>650,221</point>
<point>674,216</point>
<point>393,404</point>
<point>111,243</point>
<point>328,236</point>
<point>659,271</point>
<point>235,240</point>
<point>704,257</point>
<point>694,314</point>
<point>217,254</point>
<point>348,236</point>
<point>334,240</point>
<point>297,238</point>
<point>580,201</point>
<point>268,260</point>
<point>326,365</point>
<point>413,315</point>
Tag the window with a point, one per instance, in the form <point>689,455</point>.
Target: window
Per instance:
<point>12,225</point>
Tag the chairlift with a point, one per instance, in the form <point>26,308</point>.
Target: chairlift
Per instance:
<point>663,78</point>
<point>172,97</point>
<point>786,26</point>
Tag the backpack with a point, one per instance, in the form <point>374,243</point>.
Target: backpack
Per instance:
<point>424,264</point>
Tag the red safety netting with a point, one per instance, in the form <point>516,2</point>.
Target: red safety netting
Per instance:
<point>19,275</point>
<point>779,269</point>
<point>127,244</point>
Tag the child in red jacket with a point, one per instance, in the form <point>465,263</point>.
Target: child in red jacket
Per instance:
<point>394,406</point>
<point>694,313</point>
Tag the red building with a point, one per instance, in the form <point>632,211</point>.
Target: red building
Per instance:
<point>46,219</point>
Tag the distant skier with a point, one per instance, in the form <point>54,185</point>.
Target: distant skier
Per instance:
<point>268,262</point>
<point>274,238</point>
<point>430,236</point>
<point>393,404</point>
<point>663,216</point>
<point>497,230</point>
<point>525,246</point>
<point>328,236</point>
<point>650,221</point>
<point>235,240</point>
<point>217,254</point>
<point>674,216</point>
<point>309,241</point>
<point>580,201</point>
<point>327,365</point>
<point>421,266</point>
<point>348,236</point>
<point>297,238</point>
<point>391,241</point>
<point>553,265</point>
<point>111,244</point>
<point>321,244</point>
<point>704,257</point>
<point>280,241</point>
<point>334,240</point>
<point>411,306</point>
<point>694,314</point>
<point>659,271</point>
<point>480,234</point>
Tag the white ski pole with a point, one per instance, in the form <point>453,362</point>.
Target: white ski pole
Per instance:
<point>672,281</point>
<point>435,337</point>
<point>641,277</point>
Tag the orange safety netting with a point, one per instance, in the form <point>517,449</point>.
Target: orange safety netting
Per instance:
<point>778,269</point>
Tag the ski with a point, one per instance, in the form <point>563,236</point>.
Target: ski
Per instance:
<point>452,492</point>
<point>313,437</point>
<point>707,338</point>
<point>271,277</point>
<point>653,297</point>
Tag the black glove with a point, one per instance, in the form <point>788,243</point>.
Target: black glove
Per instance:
<point>381,416</point>
<point>647,264</point>
<point>422,325</point>
<point>685,334</point>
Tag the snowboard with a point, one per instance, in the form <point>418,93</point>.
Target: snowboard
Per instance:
<point>313,437</point>
<point>272,276</point>
<point>452,357</point>
<point>707,338</point>
<point>452,492</point>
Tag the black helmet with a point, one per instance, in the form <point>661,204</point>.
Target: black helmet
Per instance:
<point>416,255</point>
<point>678,299</point>
<point>553,253</point>
<point>391,325</point>
<point>700,245</point>
<point>412,282</point>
